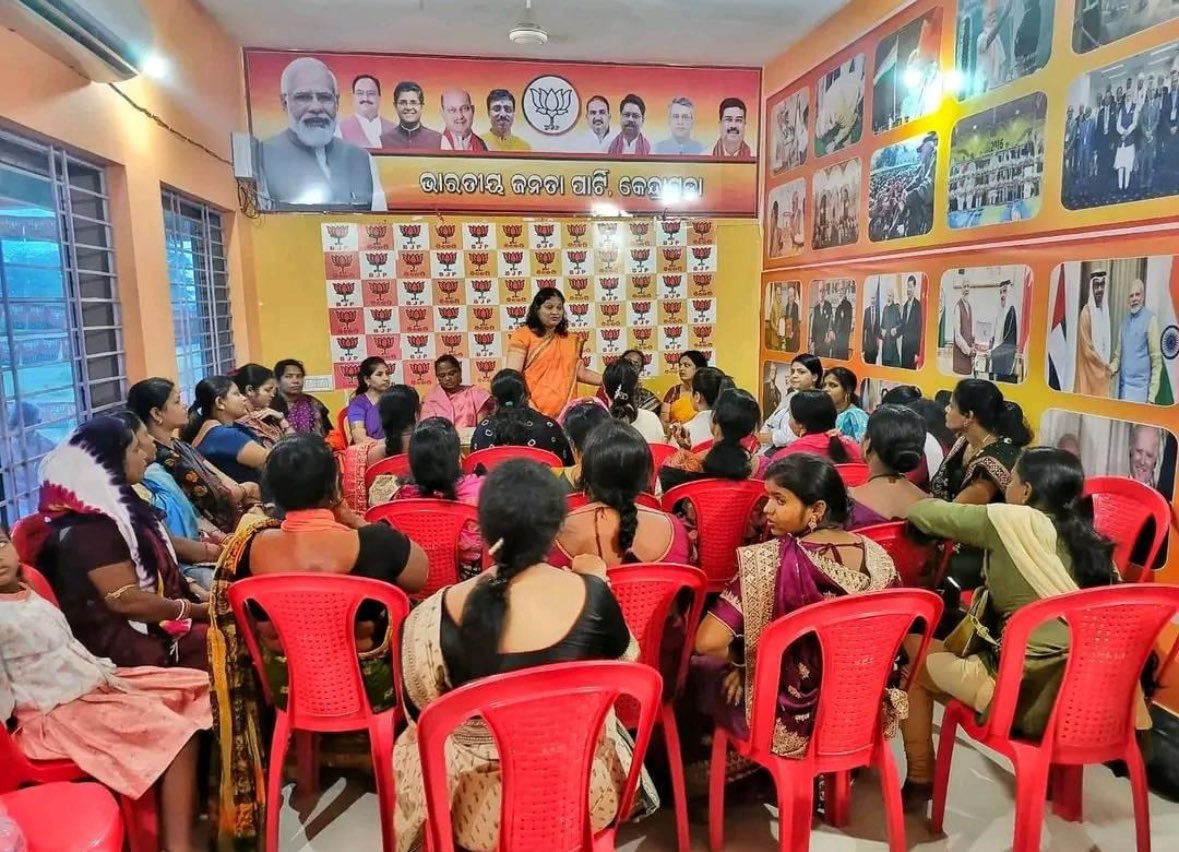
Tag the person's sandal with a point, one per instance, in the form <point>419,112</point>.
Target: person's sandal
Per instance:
<point>916,796</point>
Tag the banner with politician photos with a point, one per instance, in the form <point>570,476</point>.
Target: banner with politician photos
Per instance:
<point>982,322</point>
<point>997,164</point>
<point>836,192</point>
<point>782,316</point>
<point>789,136</point>
<point>1112,331</point>
<point>900,188</point>
<point>839,107</point>
<point>907,81</point>
<point>1000,41</point>
<point>831,307</point>
<point>1099,22</point>
<point>410,291</point>
<point>1121,131</point>
<point>785,222</point>
<point>892,328</point>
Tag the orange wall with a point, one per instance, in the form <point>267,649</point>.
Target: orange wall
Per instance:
<point>202,98</point>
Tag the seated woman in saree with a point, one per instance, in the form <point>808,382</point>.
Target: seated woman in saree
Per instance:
<point>734,420</point>
<point>708,383</point>
<point>621,383</point>
<point>259,387</point>
<point>977,470</point>
<point>893,445</point>
<point>108,557</point>
<point>435,465</point>
<point>399,408</point>
<point>364,420</point>
<point>812,558</point>
<point>320,534</point>
<point>812,419</point>
<point>806,373</point>
<point>516,423</point>
<point>1040,543</point>
<point>677,402</point>
<point>840,384</point>
<point>128,728</point>
<point>214,432</point>
<point>196,556</point>
<point>548,355</point>
<point>463,405</point>
<point>644,399</point>
<point>218,499</point>
<point>579,422</point>
<point>306,414</point>
<point>519,614</point>
<point>615,469</point>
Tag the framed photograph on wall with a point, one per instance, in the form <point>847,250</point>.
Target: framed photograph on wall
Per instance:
<point>839,107</point>
<point>1000,41</point>
<point>1097,23</point>
<point>900,188</point>
<point>785,221</point>
<point>836,191</point>
<point>982,327</point>
<point>832,318</point>
<point>892,313</point>
<point>907,80</point>
<point>789,137</point>
<point>782,316</point>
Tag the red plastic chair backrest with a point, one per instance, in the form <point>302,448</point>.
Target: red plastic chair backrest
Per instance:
<point>909,557</point>
<point>646,592</point>
<point>1112,631</point>
<point>434,526</point>
<point>39,584</point>
<point>392,466</point>
<point>660,453</point>
<point>546,722</point>
<point>1121,508</point>
<point>578,500</point>
<point>859,637</point>
<point>342,425</point>
<point>853,473</point>
<point>495,456</point>
<point>723,508</point>
<point>314,616</point>
<point>703,446</point>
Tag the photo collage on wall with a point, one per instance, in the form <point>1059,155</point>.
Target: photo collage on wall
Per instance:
<point>410,291</point>
<point>843,172</point>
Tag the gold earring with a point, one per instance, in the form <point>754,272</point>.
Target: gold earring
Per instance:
<point>812,524</point>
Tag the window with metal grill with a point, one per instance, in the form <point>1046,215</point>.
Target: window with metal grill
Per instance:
<point>201,319</point>
<point>61,342</point>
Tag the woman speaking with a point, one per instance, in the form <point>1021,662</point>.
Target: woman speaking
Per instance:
<point>548,355</point>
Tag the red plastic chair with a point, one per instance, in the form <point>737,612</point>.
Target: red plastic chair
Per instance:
<point>646,593</point>
<point>660,453</point>
<point>1112,630</point>
<point>91,822</point>
<point>392,466</point>
<point>38,583</point>
<point>434,525</point>
<point>752,443</point>
<point>1121,509</point>
<point>314,616</point>
<point>342,426</point>
<point>578,499</point>
<point>723,508</point>
<point>546,722</point>
<point>860,636</point>
<point>495,456</point>
<point>853,473</point>
<point>703,446</point>
<point>909,557</point>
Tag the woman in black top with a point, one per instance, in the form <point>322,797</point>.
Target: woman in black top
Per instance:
<point>516,424</point>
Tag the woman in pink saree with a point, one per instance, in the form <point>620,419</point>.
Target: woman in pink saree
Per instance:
<point>463,405</point>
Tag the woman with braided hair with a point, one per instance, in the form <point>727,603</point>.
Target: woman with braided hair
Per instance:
<point>491,625</point>
<point>516,423</point>
<point>621,384</point>
<point>615,469</point>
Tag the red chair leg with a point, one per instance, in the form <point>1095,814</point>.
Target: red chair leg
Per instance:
<point>796,807</point>
<point>1031,791</point>
<point>307,763</point>
<point>381,747</point>
<point>941,769</point>
<point>142,820</point>
<point>890,785</point>
<point>278,755</point>
<point>675,765</point>
<point>1067,784</point>
<point>1141,793</point>
<point>838,799</point>
<point>716,791</point>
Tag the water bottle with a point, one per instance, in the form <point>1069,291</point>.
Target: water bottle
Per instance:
<point>12,839</point>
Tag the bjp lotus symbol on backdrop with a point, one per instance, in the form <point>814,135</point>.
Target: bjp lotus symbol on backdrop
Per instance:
<point>551,105</point>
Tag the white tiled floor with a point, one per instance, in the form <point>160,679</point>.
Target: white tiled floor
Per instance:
<point>979,818</point>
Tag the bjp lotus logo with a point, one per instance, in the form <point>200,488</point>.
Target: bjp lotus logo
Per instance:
<point>551,105</point>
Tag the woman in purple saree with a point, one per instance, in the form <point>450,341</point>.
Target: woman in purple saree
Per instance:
<point>812,559</point>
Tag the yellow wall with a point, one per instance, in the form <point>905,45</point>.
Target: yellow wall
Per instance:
<point>203,99</point>
<point>292,297</point>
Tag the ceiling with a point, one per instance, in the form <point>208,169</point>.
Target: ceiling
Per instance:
<point>695,32</point>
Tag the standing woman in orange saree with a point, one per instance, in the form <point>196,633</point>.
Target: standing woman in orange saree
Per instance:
<point>548,355</point>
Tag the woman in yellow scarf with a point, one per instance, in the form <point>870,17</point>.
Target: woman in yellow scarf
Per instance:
<point>677,402</point>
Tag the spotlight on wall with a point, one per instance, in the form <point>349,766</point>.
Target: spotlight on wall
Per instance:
<point>156,66</point>
<point>953,81</point>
